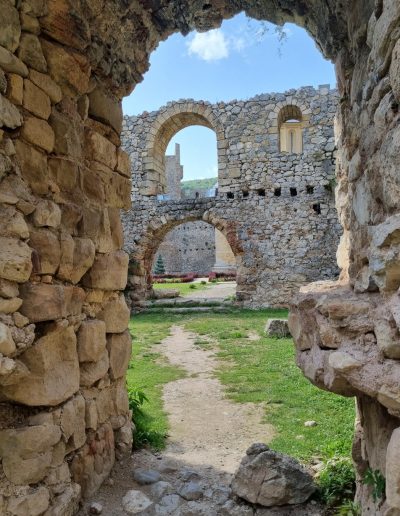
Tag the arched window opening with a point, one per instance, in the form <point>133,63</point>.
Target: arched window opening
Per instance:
<point>290,123</point>
<point>193,252</point>
<point>191,170</point>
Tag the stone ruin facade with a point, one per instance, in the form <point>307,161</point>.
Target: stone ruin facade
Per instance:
<point>195,247</point>
<point>64,67</point>
<point>276,209</point>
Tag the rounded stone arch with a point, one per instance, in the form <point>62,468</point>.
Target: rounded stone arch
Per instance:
<point>155,233</point>
<point>171,120</point>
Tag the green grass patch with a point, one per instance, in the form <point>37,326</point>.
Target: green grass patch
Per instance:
<point>259,371</point>
<point>148,372</point>
<point>264,371</point>
<point>184,288</point>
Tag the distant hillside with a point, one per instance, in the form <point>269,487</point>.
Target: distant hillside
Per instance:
<point>198,184</point>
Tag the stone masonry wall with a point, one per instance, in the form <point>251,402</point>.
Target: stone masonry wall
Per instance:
<point>64,343</point>
<point>276,209</point>
<point>188,248</point>
<point>64,67</point>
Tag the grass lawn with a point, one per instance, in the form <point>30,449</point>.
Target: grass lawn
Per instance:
<point>260,371</point>
<point>148,372</point>
<point>185,289</point>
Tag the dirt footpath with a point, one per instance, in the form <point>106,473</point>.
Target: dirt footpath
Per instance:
<point>209,435</point>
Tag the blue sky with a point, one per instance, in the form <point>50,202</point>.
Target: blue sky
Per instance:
<point>237,61</point>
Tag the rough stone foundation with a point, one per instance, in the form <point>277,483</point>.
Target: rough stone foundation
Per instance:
<point>64,67</point>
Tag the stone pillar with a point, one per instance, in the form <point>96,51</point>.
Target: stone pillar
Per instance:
<point>64,343</point>
<point>347,334</point>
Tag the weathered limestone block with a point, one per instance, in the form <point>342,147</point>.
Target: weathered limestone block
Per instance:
<point>118,192</point>
<point>34,503</point>
<point>100,149</point>
<point>392,473</point>
<point>12,223</point>
<point>119,347</point>
<point>15,260</point>
<point>271,478</point>
<point>109,271</point>
<point>33,167</point>
<point>343,362</point>
<point>72,421</point>
<point>10,63</point>
<point>64,173</point>
<point>46,83</point>
<point>42,302</point>
<point>27,452</point>
<point>69,69</point>
<point>67,503</point>
<point>9,115</point>
<point>36,101</point>
<point>93,463</point>
<point>53,368</point>
<point>102,107</point>
<point>47,213</point>
<point>47,250</point>
<point>123,163</point>
<point>10,29</point>
<point>69,28</point>
<point>8,288</point>
<point>277,328</point>
<point>38,132</point>
<point>30,24</point>
<point>8,306</point>
<point>7,344</point>
<point>91,340</point>
<point>30,52</point>
<point>77,256</point>
<point>387,338</point>
<point>91,372</point>
<point>115,314</point>
<point>68,133</point>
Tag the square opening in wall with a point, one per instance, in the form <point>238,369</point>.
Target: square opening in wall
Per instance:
<point>309,189</point>
<point>317,208</point>
<point>293,192</point>
<point>261,192</point>
<point>245,194</point>
<point>278,192</point>
<point>230,195</point>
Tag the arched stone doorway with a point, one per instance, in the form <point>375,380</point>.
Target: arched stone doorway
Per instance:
<point>63,173</point>
<point>141,260</point>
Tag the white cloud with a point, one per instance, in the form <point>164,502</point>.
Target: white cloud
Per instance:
<point>209,46</point>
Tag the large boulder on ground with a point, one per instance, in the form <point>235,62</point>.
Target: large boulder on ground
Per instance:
<point>167,293</point>
<point>277,328</point>
<point>269,478</point>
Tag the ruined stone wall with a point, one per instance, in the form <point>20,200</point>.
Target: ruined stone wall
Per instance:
<point>188,248</point>
<point>77,59</point>
<point>64,343</point>
<point>276,209</point>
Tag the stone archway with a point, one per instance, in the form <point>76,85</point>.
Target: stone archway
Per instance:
<point>141,260</point>
<point>170,121</point>
<point>65,65</point>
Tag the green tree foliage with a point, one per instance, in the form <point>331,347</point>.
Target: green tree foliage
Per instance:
<point>159,266</point>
